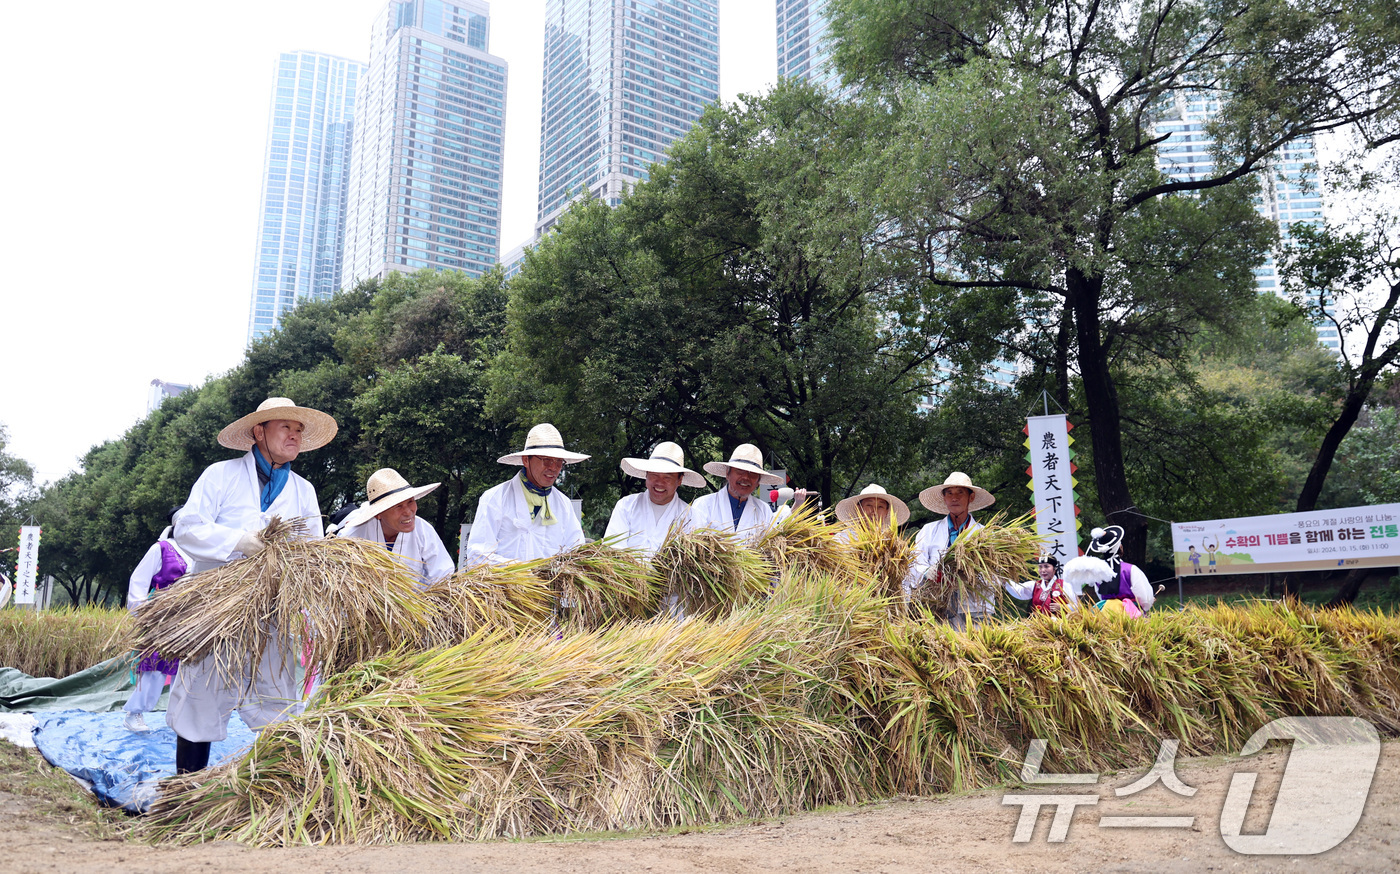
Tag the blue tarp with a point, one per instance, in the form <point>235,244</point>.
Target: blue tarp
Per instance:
<point>122,766</point>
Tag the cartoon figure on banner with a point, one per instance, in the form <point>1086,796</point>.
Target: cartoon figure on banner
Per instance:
<point>1210,550</point>
<point>1194,557</point>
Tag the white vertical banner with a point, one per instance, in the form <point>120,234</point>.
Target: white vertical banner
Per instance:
<point>1052,483</point>
<point>27,564</point>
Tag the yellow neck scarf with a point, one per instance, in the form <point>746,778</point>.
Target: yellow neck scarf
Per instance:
<point>538,504</point>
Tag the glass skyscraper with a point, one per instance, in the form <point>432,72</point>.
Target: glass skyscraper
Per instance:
<point>803,52</point>
<point>1289,190</point>
<point>301,227</point>
<point>623,79</point>
<point>425,180</point>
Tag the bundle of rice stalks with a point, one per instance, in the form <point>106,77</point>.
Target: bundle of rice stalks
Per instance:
<point>709,572</point>
<point>641,726</point>
<point>511,597</point>
<point>975,569</point>
<point>595,584</point>
<point>351,599</point>
<point>56,643</point>
<point>807,542</point>
<point>883,555</point>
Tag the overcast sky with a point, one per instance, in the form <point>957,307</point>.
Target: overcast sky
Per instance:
<point>134,139</point>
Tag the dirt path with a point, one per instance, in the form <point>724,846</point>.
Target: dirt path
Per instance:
<point>970,833</point>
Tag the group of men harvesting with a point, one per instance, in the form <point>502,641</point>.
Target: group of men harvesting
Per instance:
<point>521,519</point>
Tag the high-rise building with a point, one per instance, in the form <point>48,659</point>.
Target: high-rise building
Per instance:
<point>309,134</point>
<point>1289,190</point>
<point>803,50</point>
<point>623,79</point>
<point>425,174</point>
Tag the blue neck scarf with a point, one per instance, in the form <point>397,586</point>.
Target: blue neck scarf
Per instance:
<point>954,532</point>
<point>736,506</point>
<point>273,479</point>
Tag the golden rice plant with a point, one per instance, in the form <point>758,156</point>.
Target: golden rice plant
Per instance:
<point>710,572</point>
<point>508,596</point>
<point>595,584</point>
<point>56,643</point>
<point>976,567</point>
<point>807,542</point>
<point>351,599</point>
<point>883,555</point>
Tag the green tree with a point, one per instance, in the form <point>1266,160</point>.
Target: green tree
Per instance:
<point>736,296</point>
<point>1024,160</point>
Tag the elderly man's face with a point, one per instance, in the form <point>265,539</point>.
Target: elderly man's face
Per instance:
<point>279,440</point>
<point>398,519</point>
<point>741,482</point>
<point>874,508</point>
<point>661,487</point>
<point>542,469</point>
<point>958,499</point>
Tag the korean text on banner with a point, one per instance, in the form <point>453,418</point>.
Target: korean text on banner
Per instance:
<point>1052,481</point>
<point>27,564</point>
<point>1318,540</point>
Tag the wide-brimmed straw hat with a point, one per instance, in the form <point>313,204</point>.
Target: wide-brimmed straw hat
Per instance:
<point>745,457</point>
<point>932,497</point>
<point>386,488</point>
<point>318,428</point>
<point>847,509</point>
<point>667,457</point>
<point>543,439</point>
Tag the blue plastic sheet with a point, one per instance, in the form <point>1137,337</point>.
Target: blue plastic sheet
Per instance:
<point>122,766</point>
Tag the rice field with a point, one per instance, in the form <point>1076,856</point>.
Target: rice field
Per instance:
<point>63,641</point>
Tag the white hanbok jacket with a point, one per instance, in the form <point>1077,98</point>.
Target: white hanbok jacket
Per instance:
<point>138,591</point>
<point>712,511</point>
<point>929,546</point>
<point>504,530</point>
<point>637,527</point>
<point>421,549</point>
<point>224,504</point>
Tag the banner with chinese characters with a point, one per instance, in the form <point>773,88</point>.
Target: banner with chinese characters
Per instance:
<point>27,564</point>
<point>1052,483</point>
<point>1319,540</point>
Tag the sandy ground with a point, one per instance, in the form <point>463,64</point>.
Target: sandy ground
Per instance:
<point>968,833</point>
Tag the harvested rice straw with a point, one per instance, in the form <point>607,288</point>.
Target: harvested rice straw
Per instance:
<point>710,572</point>
<point>595,584</point>
<point>806,542</point>
<point>975,568</point>
<point>507,596</point>
<point>352,600</point>
<point>883,555</point>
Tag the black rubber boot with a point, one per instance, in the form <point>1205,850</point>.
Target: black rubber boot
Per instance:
<point>190,755</point>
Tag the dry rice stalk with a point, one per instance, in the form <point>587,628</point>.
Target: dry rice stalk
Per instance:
<point>507,596</point>
<point>710,572</point>
<point>883,554</point>
<point>350,598</point>
<point>595,584</point>
<point>806,542</point>
<point>975,568</point>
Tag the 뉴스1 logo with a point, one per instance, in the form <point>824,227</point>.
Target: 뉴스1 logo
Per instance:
<point>1319,802</point>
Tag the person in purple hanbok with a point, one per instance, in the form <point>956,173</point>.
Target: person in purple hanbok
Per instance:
<point>162,565</point>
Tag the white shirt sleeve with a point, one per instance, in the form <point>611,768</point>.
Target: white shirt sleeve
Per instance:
<point>138,590</point>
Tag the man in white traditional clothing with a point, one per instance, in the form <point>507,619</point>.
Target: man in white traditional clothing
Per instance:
<point>389,516</point>
<point>228,507</point>
<point>734,508</point>
<point>526,517</point>
<point>958,498</point>
<point>643,520</point>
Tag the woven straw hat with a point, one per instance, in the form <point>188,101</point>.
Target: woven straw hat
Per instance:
<point>385,489</point>
<point>847,509</point>
<point>745,457</point>
<point>543,439</point>
<point>667,457</point>
<point>932,497</point>
<point>318,428</point>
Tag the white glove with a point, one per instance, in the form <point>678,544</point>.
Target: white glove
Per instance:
<point>250,544</point>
